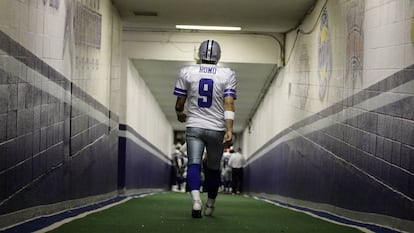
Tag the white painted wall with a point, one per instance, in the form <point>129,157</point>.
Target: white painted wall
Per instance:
<point>388,48</point>
<point>143,113</point>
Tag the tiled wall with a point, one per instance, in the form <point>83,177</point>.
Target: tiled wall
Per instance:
<point>345,150</point>
<point>346,95</point>
<point>59,98</point>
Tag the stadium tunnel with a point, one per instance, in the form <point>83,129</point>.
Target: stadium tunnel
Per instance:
<point>324,114</point>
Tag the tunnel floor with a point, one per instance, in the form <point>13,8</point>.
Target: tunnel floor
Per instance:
<point>171,212</point>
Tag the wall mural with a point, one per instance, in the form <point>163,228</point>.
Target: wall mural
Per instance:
<point>87,27</point>
<point>83,25</point>
<point>412,28</point>
<point>355,43</point>
<point>68,45</point>
<point>302,89</point>
<point>52,3</point>
<point>324,55</point>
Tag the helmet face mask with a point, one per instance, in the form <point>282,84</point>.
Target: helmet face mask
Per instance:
<point>209,52</point>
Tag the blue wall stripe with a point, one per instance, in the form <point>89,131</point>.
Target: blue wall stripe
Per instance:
<point>123,127</point>
<point>45,221</point>
<point>326,215</point>
<point>139,168</point>
<point>19,52</point>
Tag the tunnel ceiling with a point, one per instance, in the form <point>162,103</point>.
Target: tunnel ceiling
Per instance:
<point>264,16</point>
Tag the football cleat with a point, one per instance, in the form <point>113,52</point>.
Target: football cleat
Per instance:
<point>208,211</point>
<point>196,211</point>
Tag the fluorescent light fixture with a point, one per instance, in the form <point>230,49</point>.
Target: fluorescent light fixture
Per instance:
<point>214,28</point>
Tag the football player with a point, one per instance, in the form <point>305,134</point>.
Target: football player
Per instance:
<point>210,91</point>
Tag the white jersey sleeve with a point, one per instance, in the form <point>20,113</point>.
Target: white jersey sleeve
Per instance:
<point>230,89</point>
<point>180,85</point>
<point>205,87</point>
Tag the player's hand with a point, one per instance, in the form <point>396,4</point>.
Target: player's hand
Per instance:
<point>228,137</point>
<point>182,117</point>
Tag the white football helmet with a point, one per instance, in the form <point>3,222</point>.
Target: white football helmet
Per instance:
<point>209,51</point>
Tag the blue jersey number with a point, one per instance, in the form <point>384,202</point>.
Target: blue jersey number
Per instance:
<point>205,90</point>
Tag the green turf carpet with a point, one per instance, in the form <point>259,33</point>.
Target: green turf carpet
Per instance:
<point>171,213</point>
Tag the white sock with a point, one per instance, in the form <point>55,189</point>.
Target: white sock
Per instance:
<point>210,202</point>
<point>195,195</point>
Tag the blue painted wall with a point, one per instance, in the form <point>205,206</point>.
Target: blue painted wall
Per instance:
<point>138,167</point>
<point>365,163</point>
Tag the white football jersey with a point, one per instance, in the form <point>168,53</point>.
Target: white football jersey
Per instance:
<point>205,87</point>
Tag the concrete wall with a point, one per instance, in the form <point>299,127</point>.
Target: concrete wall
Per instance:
<point>59,97</point>
<point>336,130</point>
<point>146,136</point>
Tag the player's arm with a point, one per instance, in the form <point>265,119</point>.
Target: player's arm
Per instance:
<point>229,118</point>
<point>179,108</point>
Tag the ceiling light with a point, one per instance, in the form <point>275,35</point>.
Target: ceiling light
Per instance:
<point>198,27</point>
